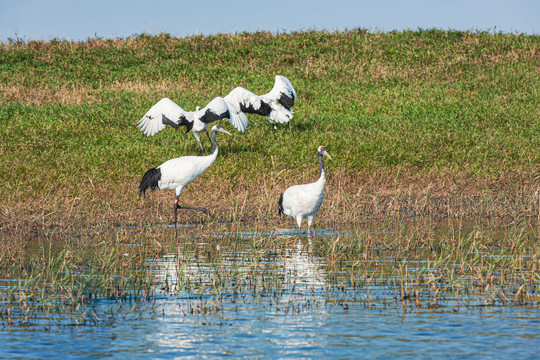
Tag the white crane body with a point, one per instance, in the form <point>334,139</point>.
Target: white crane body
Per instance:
<point>303,201</point>
<point>182,171</point>
<point>176,173</point>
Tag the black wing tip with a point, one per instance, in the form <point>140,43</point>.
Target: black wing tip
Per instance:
<point>182,121</point>
<point>280,205</point>
<point>286,100</point>
<point>150,181</point>
<point>166,121</point>
<point>210,116</point>
<point>249,108</point>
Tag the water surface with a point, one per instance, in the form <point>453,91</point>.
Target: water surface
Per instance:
<point>280,303</point>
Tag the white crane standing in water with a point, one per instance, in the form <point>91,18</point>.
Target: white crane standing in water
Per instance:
<point>303,201</point>
<point>276,105</point>
<point>167,112</point>
<point>175,174</point>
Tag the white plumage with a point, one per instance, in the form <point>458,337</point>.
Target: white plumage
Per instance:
<point>175,174</point>
<point>167,112</point>
<point>283,91</point>
<point>275,105</point>
<point>303,201</point>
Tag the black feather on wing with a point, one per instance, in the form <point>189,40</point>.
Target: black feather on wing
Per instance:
<point>166,121</point>
<point>286,100</point>
<point>211,115</point>
<point>182,121</point>
<point>249,108</point>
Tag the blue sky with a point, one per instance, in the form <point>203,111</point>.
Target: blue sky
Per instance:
<point>79,20</point>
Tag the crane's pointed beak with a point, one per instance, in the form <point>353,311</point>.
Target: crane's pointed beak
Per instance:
<point>326,153</point>
<point>224,131</point>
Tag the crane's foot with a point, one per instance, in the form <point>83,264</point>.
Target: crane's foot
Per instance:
<point>206,211</point>
<point>176,207</point>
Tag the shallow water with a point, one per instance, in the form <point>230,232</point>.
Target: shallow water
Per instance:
<point>282,303</point>
<point>255,331</point>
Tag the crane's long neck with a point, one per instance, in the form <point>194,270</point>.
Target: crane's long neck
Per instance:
<point>214,144</point>
<point>321,168</point>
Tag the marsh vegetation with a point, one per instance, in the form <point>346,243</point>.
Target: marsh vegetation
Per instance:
<point>432,202</point>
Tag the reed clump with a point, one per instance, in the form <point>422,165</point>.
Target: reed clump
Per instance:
<point>55,278</point>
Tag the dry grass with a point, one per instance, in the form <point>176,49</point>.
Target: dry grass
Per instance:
<point>349,199</point>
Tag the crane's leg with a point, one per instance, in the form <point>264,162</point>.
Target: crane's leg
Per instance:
<point>309,221</point>
<point>176,207</point>
<point>299,222</point>
<point>199,140</point>
<point>206,211</point>
<point>176,216</point>
<point>207,134</point>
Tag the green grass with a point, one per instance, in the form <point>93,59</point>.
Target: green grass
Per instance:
<point>452,112</point>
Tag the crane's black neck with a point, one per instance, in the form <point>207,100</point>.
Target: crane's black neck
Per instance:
<point>321,166</point>
<point>214,143</point>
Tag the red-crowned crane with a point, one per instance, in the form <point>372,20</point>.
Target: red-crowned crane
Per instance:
<point>175,174</point>
<point>303,201</point>
<point>167,112</point>
<point>276,105</point>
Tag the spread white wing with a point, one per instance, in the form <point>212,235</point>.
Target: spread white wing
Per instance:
<point>283,91</point>
<point>164,112</point>
<point>248,102</point>
<point>220,108</point>
<point>251,103</point>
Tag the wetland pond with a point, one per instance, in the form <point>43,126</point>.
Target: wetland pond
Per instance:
<point>379,291</point>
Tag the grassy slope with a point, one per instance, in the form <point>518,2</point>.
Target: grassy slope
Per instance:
<point>452,112</point>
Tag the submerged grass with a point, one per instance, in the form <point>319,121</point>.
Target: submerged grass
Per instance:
<point>61,277</point>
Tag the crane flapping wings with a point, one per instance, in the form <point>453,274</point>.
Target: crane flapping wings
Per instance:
<point>164,112</point>
<point>276,105</point>
<point>248,102</point>
<point>283,91</point>
<point>219,109</point>
<point>167,112</point>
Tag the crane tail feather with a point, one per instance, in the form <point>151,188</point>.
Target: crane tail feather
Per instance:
<point>150,180</point>
<point>280,205</point>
